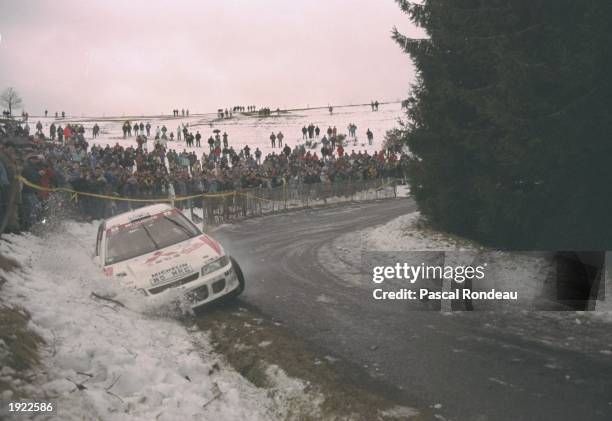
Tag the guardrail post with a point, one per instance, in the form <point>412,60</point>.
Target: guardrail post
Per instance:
<point>233,202</point>
<point>285,193</point>
<point>203,214</point>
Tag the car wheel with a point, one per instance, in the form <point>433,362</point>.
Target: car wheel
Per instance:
<point>240,276</point>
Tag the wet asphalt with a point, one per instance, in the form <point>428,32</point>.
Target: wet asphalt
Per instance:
<point>465,366</point>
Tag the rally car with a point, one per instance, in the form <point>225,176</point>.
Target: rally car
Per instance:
<point>156,249</point>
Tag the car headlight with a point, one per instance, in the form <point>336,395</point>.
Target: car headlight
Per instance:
<point>215,265</point>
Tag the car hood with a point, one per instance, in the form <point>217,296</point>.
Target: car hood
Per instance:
<point>173,262</point>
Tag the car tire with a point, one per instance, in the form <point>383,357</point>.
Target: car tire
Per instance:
<point>240,276</point>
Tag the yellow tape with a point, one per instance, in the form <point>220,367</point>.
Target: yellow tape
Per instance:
<point>75,194</point>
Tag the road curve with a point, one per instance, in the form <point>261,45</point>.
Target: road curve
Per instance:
<point>468,366</point>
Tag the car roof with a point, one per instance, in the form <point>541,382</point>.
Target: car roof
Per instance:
<point>127,217</point>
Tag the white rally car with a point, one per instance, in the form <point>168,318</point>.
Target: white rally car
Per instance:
<point>156,249</point>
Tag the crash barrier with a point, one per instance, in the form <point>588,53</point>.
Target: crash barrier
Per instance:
<point>222,207</point>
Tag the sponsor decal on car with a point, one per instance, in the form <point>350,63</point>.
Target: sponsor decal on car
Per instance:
<point>136,221</point>
<point>170,274</point>
<point>160,256</point>
<point>211,243</point>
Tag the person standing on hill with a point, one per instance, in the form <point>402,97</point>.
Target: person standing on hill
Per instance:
<point>280,138</point>
<point>178,133</point>
<point>317,131</point>
<point>198,137</point>
<point>148,127</point>
<point>304,131</point>
<point>273,140</point>
<point>370,136</point>
<point>60,133</point>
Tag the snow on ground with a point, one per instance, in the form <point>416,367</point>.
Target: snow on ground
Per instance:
<point>505,271</point>
<point>105,361</point>
<point>404,234</point>
<point>526,273</point>
<point>246,129</point>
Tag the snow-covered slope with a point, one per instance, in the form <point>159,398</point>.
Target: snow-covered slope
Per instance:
<point>252,130</point>
<point>107,361</point>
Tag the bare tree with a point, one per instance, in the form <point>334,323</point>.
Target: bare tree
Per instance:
<point>11,99</point>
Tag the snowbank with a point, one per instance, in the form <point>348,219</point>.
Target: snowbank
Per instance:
<point>530,274</point>
<point>105,361</point>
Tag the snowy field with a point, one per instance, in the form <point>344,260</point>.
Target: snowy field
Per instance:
<point>110,361</point>
<point>245,129</point>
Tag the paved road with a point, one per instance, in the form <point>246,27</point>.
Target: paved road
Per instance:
<point>469,366</point>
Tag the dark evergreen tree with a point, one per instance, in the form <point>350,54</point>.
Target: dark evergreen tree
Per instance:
<point>509,121</point>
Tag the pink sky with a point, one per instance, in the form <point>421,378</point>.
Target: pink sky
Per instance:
<point>114,57</point>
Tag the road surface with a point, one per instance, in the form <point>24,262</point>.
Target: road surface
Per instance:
<point>466,366</point>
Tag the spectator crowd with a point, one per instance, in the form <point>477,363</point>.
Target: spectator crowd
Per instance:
<point>149,169</point>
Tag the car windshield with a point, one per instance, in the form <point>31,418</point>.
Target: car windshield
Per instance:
<point>146,235</point>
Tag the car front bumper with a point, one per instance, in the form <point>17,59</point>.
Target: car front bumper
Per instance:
<point>201,290</point>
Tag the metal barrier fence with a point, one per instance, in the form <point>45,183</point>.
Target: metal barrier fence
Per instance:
<point>263,201</point>
<point>208,208</point>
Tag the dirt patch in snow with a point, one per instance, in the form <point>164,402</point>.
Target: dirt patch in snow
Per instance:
<point>19,348</point>
<point>311,384</point>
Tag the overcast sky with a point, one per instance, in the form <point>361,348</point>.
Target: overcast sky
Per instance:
<point>136,56</point>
